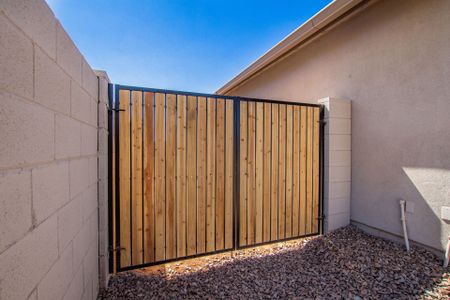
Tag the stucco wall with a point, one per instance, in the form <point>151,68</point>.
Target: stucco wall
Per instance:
<point>392,60</point>
<point>48,159</point>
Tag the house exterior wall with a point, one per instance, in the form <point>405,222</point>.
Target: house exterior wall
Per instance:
<point>392,60</point>
<point>48,159</point>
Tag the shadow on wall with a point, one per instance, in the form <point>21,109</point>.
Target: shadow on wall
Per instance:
<point>433,188</point>
<point>345,263</point>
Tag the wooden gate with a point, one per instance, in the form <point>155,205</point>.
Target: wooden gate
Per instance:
<point>182,185</point>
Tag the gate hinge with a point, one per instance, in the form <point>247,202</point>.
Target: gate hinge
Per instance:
<point>322,217</point>
<point>113,249</point>
<point>322,122</point>
<point>115,109</point>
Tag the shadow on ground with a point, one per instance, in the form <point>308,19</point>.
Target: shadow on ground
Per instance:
<point>344,264</point>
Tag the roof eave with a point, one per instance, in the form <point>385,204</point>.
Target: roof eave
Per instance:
<point>324,17</point>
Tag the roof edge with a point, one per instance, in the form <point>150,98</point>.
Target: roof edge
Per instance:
<point>328,14</point>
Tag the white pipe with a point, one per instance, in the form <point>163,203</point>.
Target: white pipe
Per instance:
<point>447,253</point>
<point>403,219</point>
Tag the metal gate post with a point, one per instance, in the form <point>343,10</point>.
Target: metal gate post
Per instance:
<point>236,166</point>
<point>321,167</point>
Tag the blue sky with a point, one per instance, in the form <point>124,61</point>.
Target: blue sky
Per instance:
<point>195,45</point>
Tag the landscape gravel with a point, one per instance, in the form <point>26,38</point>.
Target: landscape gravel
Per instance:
<point>345,264</point>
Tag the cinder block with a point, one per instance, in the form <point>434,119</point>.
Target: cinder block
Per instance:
<point>67,54</point>
<point>90,267</point>
<point>88,140</point>
<point>103,167</point>
<point>56,282</point>
<point>102,141</point>
<point>16,59</point>
<point>33,295</point>
<point>338,142</point>
<point>102,115</point>
<point>26,134</point>
<point>70,220</point>
<point>83,240</point>
<point>94,112</point>
<point>67,137</point>
<point>89,80</point>
<point>338,205</point>
<point>79,176</point>
<point>80,103</point>
<point>336,221</point>
<point>337,174</point>
<point>15,206</point>
<point>338,126</point>
<point>40,25</point>
<point>103,87</point>
<point>50,189</point>
<point>337,189</point>
<point>90,202</point>
<point>52,85</point>
<point>24,264</point>
<point>338,158</point>
<point>75,290</point>
<point>93,168</point>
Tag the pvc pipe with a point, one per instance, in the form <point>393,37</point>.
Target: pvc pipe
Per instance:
<point>447,253</point>
<point>403,219</point>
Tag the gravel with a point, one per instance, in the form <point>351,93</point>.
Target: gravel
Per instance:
<point>345,264</point>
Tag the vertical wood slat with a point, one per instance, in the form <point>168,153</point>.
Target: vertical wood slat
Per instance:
<point>149,238</point>
<point>170,176</point>
<point>229,163</point>
<point>243,175</point>
<point>296,172</point>
<point>201,176</point>
<point>259,171</point>
<point>192,175</point>
<point>309,182</point>
<point>251,171</point>
<point>289,154</point>
<point>181,186</point>
<point>185,146</point>
<point>303,149</point>
<point>160,174</point>
<point>275,175</point>
<point>316,133</point>
<point>267,154</point>
<point>282,173</point>
<point>136,178</point>
<point>220,174</point>
<point>124,177</point>
<point>211,174</point>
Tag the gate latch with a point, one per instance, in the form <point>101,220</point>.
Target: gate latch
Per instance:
<point>115,109</point>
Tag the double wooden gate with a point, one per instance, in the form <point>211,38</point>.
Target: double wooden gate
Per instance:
<point>193,174</point>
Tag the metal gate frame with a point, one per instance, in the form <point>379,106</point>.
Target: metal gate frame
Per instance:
<point>113,134</point>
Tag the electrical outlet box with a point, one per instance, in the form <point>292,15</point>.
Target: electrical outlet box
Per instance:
<point>410,207</point>
<point>445,213</point>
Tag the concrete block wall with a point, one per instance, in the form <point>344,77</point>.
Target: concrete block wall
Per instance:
<point>48,159</point>
<point>337,162</point>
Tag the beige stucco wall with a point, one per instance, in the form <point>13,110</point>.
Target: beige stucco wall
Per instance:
<point>392,60</point>
<point>48,159</point>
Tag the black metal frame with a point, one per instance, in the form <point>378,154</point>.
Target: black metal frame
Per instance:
<point>114,120</point>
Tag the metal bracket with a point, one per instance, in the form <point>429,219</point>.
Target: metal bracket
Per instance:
<point>115,109</point>
<point>322,217</point>
<point>322,122</point>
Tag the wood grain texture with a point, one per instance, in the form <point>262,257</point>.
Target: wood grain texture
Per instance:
<point>136,179</point>
<point>296,172</point>
<point>303,149</point>
<point>201,176</point>
<point>275,175</point>
<point>149,215</point>
<point>160,180</point>
<point>181,186</point>
<point>289,170</point>
<point>309,182</point>
<point>259,171</point>
<point>229,163</point>
<point>220,175</point>
<point>171,238</point>
<point>211,174</point>
<point>267,174</point>
<point>192,175</point>
<point>282,173</point>
<point>124,178</point>
<point>251,171</point>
